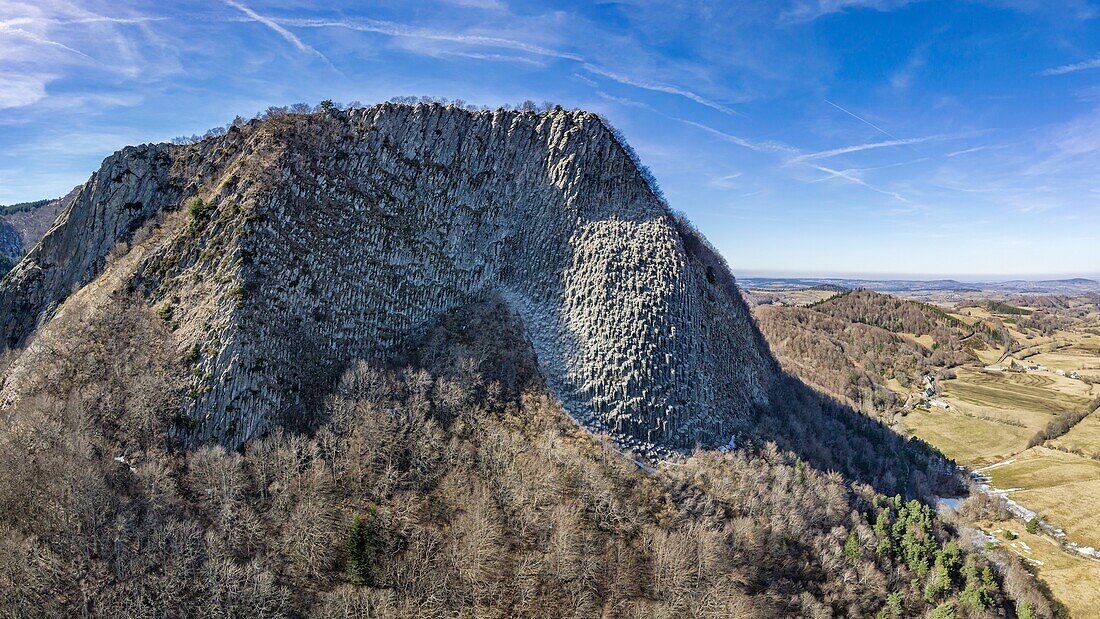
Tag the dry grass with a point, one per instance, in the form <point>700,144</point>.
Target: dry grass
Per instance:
<point>924,340</point>
<point>1071,579</point>
<point>967,440</point>
<point>1083,437</point>
<point>1028,393</point>
<point>1063,488</point>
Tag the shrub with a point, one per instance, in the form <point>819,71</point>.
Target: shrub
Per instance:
<point>197,209</point>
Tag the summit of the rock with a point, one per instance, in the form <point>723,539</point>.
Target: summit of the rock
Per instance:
<point>288,248</point>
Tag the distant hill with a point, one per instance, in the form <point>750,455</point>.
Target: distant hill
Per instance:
<point>23,224</point>
<point>907,316</point>
<point>1078,285</point>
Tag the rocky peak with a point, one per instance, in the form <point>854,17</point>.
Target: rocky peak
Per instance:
<point>288,248</point>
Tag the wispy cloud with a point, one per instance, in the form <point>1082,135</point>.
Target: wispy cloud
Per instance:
<point>400,30</point>
<point>8,29</point>
<point>656,86</point>
<point>966,151</point>
<point>1094,63</point>
<point>537,62</point>
<point>621,100</point>
<point>289,36</point>
<point>807,159</point>
<point>494,5</point>
<point>758,146</point>
<point>811,10</point>
<point>20,90</point>
<point>825,154</point>
<point>849,176</point>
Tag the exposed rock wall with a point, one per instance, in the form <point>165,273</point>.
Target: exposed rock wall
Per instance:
<point>130,186</point>
<point>320,239</point>
<point>21,230</point>
<point>11,243</point>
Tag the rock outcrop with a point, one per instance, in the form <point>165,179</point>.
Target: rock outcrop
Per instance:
<point>23,225</point>
<point>288,248</point>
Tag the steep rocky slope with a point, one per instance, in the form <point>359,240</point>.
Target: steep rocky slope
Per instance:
<point>288,248</point>
<point>23,225</point>
<point>423,288</point>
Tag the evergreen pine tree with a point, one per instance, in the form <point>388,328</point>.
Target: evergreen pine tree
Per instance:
<point>361,546</point>
<point>851,548</point>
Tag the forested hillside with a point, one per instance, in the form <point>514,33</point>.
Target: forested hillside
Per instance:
<point>851,360</point>
<point>905,316</point>
<point>450,483</point>
<point>421,361</point>
<point>868,348</point>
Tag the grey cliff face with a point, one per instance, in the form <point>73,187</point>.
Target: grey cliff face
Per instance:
<point>310,241</point>
<point>108,209</point>
<point>11,243</point>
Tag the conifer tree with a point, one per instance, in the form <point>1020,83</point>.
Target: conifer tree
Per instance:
<point>361,546</point>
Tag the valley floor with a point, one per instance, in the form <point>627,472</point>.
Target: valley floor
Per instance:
<point>991,425</point>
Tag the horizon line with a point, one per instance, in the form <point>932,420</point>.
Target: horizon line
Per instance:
<point>987,278</point>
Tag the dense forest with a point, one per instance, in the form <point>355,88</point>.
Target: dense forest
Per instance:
<point>906,316</point>
<point>449,482</point>
<point>851,345</point>
<point>11,209</point>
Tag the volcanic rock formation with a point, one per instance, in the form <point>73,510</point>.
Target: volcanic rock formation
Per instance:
<point>288,248</point>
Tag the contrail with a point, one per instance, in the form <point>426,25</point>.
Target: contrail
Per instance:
<point>283,32</point>
<point>864,121</point>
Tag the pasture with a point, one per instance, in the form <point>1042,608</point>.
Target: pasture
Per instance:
<point>1061,487</point>
<point>1072,580</point>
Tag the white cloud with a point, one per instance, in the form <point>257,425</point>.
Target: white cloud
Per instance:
<point>1073,68</point>
<point>478,40</point>
<point>809,11</point>
<point>401,30</point>
<point>825,154</point>
<point>491,5</point>
<point>289,36</point>
<point>852,177</point>
<point>761,147</point>
<point>863,120</point>
<point>966,151</point>
<point>47,41</point>
<point>19,90</point>
<point>33,37</point>
<point>655,86</point>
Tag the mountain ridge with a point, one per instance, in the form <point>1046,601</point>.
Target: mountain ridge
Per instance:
<point>289,247</point>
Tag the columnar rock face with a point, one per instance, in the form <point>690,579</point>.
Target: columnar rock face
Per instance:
<point>309,241</point>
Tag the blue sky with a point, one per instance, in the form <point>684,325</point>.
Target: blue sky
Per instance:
<point>804,137</point>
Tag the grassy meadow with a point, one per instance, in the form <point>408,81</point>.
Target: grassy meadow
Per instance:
<point>994,416</point>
